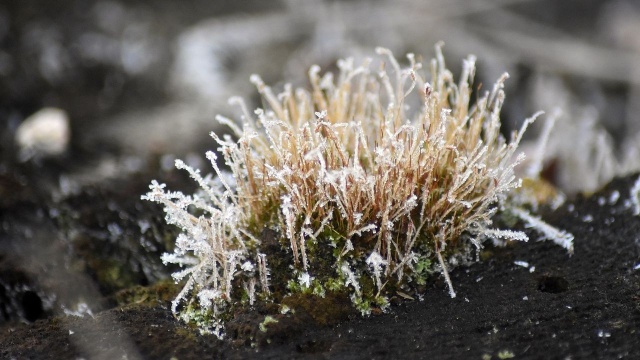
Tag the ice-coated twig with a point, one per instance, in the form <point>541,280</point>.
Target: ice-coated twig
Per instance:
<point>549,232</point>
<point>445,273</point>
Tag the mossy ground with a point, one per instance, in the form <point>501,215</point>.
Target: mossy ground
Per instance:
<point>502,308</point>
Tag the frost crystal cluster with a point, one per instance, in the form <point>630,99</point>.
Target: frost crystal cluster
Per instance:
<point>371,180</point>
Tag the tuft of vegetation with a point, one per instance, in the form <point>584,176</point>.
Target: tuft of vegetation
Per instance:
<point>368,183</point>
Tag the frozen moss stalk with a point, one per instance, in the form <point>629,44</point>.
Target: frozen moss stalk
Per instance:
<point>371,180</point>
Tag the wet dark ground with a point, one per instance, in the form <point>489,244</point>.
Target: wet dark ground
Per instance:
<point>581,306</point>
<point>74,241</point>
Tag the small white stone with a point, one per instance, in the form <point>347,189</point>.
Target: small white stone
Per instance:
<point>45,133</point>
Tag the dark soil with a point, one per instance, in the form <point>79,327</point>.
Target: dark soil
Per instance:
<point>581,306</point>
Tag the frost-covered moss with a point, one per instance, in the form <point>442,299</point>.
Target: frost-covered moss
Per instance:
<point>367,183</point>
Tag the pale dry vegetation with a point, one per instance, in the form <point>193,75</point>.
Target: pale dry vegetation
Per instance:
<point>388,172</point>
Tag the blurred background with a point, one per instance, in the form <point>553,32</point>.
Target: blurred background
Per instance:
<point>140,78</point>
<point>97,98</point>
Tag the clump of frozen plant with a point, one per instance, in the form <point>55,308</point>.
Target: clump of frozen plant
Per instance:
<point>372,180</point>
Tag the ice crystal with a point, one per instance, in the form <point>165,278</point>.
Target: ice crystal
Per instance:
<point>635,197</point>
<point>376,262</point>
